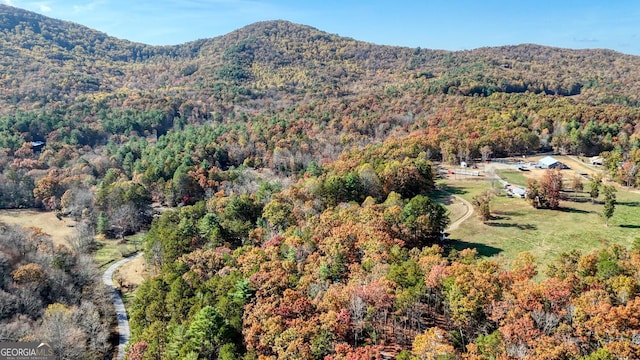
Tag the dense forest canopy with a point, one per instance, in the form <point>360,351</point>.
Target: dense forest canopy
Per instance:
<point>298,171</point>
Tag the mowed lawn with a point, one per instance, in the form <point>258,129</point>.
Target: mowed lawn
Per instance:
<point>518,227</point>
<point>514,177</point>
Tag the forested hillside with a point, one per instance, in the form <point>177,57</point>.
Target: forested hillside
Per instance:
<point>298,169</point>
<point>281,96</point>
<point>51,293</point>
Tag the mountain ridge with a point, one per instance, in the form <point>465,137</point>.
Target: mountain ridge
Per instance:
<point>19,15</point>
<point>256,26</point>
<point>271,65</point>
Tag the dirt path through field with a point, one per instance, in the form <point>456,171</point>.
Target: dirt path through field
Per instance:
<point>467,215</point>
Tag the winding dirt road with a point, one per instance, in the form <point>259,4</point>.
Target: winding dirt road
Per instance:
<point>467,215</point>
<point>121,312</point>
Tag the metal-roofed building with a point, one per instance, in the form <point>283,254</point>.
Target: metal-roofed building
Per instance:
<point>549,162</point>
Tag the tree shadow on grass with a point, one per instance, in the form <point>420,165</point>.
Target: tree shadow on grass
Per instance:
<point>443,198</point>
<point>573,210</point>
<point>444,193</point>
<point>629,226</point>
<point>506,214</point>
<point>500,217</point>
<point>483,249</point>
<point>456,190</point>
<point>578,199</point>
<point>629,203</point>
<point>513,225</point>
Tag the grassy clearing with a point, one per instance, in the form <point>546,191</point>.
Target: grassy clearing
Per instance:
<point>517,227</point>
<point>130,276</point>
<point>58,229</point>
<point>514,177</point>
<point>455,207</point>
<point>133,273</point>
<point>110,250</point>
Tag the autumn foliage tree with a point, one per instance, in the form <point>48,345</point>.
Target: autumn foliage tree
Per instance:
<point>576,186</point>
<point>48,192</point>
<point>482,202</point>
<point>534,193</point>
<point>433,344</point>
<point>52,294</point>
<point>547,192</point>
<point>551,188</point>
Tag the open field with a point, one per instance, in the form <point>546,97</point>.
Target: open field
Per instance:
<point>133,273</point>
<point>47,221</point>
<point>514,177</point>
<point>110,250</point>
<point>518,227</point>
<point>455,207</point>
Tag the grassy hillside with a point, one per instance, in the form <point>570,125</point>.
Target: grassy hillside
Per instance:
<point>517,227</point>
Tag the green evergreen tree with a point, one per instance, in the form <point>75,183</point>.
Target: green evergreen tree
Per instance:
<point>179,299</point>
<point>103,223</point>
<point>206,334</point>
<point>228,352</point>
<point>424,218</point>
<point>594,187</point>
<point>609,203</point>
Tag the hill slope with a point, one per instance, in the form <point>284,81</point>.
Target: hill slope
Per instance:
<point>54,59</point>
<point>274,88</point>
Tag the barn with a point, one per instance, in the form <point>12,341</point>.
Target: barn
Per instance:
<point>549,162</point>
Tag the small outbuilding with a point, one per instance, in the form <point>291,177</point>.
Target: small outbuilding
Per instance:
<point>596,160</point>
<point>37,146</point>
<point>549,162</point>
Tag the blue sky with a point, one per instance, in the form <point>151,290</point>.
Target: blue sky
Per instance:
<point>432,24</point>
